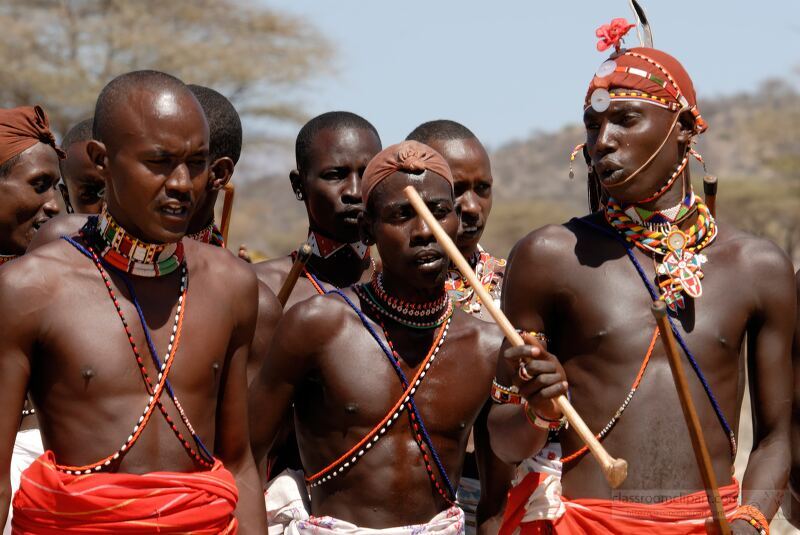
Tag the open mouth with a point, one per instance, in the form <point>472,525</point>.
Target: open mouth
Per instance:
<point>428,260</point>
<point>175,211</point>
<point>469,231</point>
<point>350,216</point>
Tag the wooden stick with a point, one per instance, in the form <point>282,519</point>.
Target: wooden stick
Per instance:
<point>227,210</point>
<point>615,470</point>
<point>303,254</point>
<point>659,310</point>
<point>710,192</point>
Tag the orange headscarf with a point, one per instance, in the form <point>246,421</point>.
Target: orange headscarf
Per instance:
<point>22,128</point>
<point>407,157</point>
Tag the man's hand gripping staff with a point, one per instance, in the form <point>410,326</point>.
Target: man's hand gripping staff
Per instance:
<point>539,366</point>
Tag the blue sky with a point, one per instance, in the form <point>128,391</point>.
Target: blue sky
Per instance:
<point>508,68</point>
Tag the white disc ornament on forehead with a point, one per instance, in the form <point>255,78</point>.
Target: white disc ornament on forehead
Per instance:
<point>600,100</point>
<point>606,68</point>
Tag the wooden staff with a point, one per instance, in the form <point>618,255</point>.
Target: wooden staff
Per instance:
<point>615,470</point>
<point>710,192</point>
<point>659,310</point>
<point>227,210</point>
<point>303,254</point>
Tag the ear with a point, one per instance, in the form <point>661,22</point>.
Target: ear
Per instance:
<point>98,155</point>
<point>296,180</point>
<point>686,124</point>
<point>365,233</point>
<point>220,173</point>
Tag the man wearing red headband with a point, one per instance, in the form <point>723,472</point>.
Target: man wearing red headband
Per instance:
<point>387,377</point>
<point>586,286</point>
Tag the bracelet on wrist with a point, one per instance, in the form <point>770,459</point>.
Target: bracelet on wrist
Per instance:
<point>752,516</point>
<point>505,394</point>
<point>544,423</point>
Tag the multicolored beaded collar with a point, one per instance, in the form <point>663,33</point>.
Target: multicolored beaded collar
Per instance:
<point>414,315</point>
<point>680,267</point>
<point>5,258</point>
<point>489,271</point>
<point>662,220</point>
<point>324,247</point>
<point>128,254</point>
<point>210,234</point>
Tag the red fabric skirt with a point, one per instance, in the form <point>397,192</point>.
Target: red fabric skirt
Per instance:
<point>49,501</point>
<point>680,516</point>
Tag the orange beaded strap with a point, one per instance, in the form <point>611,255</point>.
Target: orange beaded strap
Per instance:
<point>362,446</point>
<point>602,434</point>
<point>753,516</point>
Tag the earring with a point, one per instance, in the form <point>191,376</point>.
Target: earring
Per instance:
<point>299,195</point>
<point>575,151</point>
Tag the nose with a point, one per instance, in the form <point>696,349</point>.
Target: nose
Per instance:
<point>421,233</point>
<point>180,180</point>
<point>50,207</point>
<point>351,192</point>
<point>606,141</point>
<point>470,209</point>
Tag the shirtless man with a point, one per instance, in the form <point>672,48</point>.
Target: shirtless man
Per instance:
<point>28,175</point>
<point>576,285</point>
<point>332,150</point>
<point>472,176</point>
<point>82,186</point>
<point>794,482</point>
<point>344,377</point>
<point>90,373</point>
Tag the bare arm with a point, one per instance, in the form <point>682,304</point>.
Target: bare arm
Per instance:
<point>232,441</point>
<point>269,313</point>
<point>770,369</point>
<point>526,302</point>
<point>495,477</point>
<point>794,480</point>
<point>18,329</point>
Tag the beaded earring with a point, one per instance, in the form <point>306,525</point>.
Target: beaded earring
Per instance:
<point>575,151</point>
<point>299,195</point>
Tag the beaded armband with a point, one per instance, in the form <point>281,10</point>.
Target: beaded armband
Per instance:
<point>753,516</point>
<point>539,336</point>
<point>505,394</point>
<point>544,423</point>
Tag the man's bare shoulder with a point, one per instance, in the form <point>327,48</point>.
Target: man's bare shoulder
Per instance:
<point>758,259</point>
<point>484,336</point>
<point>546,244</point>
<point>323,315</point>
<point>52,230</point>
<point>273,272</point>
<point>40,271</point>
<point>231,273</point>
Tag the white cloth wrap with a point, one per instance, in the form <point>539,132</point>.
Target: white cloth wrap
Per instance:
<point>545,502</point>
<point>27,448</point>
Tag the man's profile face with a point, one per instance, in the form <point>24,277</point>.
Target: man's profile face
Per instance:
<point>157,164</point>
<point>406,244</point>
<point>622,138</point>
<point>336,162</point>
<point>27,195</point>
<point>84,184</point>
<point>472,174</point>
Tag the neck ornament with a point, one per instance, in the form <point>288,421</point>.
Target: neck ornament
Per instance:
<point>414,315</point>
<point>6,258</point>
<point>210,234</point>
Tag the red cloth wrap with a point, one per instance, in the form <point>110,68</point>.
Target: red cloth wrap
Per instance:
<point>21,129</point>
<point>406,157</point>
<point>685,515</point>
<point>624,80</point>
<point>49,501</point>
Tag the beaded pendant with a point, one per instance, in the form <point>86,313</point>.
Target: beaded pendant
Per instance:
<point>683,269</point>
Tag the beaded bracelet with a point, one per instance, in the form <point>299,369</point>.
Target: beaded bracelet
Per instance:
<point>544,423</point>
<point>753,516</point>
<point>505,394</point>
<point>539,336</point>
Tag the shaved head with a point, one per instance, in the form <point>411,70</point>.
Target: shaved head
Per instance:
<point>440,130</point>
<point>115,97</point>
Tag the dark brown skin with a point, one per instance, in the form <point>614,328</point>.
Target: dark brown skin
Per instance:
<point>579,287</point>
<point>80,368</point>
<point>472,176</point>
<point>83,185</point>
<point>28,194</point>
<point>794,482</point>
<point>341,383</point>
<point>331,191</point>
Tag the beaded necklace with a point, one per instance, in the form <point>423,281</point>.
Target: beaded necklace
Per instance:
<point>662,220</point>
<point>156,391</point>
<point>488,269</point>
<point>680,266</point>
<point>128,254</point>
<point>414,315</point>
<point>5,258</point>
<point>210,234</point>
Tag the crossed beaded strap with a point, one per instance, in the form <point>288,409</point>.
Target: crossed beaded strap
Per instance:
<point>154,392</point>
<point>365,444</point>
<point>678,337</point>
